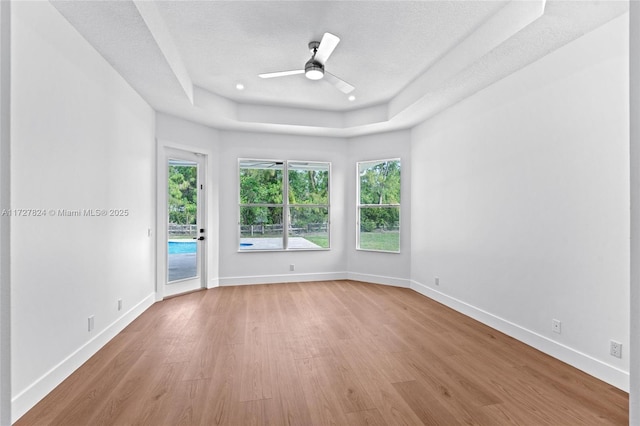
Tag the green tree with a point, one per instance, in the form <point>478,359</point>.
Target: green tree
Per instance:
<point>380,185</point>
<point>261,186</point>
<point>262,183</point>
<point>308,187</point>
<point>183,193</point>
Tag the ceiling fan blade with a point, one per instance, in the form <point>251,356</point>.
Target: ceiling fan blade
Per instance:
<point>280,73</point>
<point>339,84</point>
<point>327,45</point>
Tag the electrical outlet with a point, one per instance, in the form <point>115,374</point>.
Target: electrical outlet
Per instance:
<point>437,280</point>
<point>90,323</point>
<point>292,267</point>
<point>119,304</point>
<point>616,349</point>
<point>556,326</point>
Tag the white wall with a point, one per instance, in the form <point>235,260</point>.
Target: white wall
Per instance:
<point>634,97</point>
<point>382,268</point>
<point>520,203</point>
<point>174,132</point>
<point>264,267</point>
<point>5,221</point>
<point>81,139</point>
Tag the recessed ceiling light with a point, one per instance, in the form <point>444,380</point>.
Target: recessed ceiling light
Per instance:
<point>240,86</point>
<point>352,98</point>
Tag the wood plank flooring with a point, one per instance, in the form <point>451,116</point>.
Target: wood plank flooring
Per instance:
<point>321,353</point>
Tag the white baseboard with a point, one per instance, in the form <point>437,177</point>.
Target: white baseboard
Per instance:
<point>322,276</point>
<point>29,397</point>
<point>379,279</point>
<point>603,371</point>
<point>274,279</point>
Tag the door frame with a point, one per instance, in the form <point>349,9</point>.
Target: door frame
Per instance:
<point>163,290</point>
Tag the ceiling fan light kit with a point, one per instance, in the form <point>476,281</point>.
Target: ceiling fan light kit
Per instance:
<point>313,70</point>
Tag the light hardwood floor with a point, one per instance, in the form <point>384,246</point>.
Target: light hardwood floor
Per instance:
<point>335,352</point>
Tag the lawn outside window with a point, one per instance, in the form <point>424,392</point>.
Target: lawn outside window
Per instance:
<point>378,205</point>
<point>284,205</point>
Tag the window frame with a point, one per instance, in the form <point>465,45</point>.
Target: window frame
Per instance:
<point>285,205</point>
<point>360,206</point>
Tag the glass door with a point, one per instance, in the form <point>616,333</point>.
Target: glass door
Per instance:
<point>185,225</point>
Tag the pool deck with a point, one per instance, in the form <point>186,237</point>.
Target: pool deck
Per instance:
<point>183,265</point>
<point>276,244</point>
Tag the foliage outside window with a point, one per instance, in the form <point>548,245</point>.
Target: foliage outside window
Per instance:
<point>183,200</point>
<point>284,205</point>
<point>379,205</point>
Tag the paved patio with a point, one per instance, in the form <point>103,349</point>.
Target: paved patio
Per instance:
<point>181,266</point>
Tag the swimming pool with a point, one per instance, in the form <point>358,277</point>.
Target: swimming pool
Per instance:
<point>182,247</point>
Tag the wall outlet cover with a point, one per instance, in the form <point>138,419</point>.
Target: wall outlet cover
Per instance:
<point>616,349</point>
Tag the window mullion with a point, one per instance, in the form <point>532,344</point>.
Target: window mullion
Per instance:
<point>285,206</point>
<point>309,205</point>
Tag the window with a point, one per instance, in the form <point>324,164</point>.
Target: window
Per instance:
<point>379,206</point>
<point>284,205</point>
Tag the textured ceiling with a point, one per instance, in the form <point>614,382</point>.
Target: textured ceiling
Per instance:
<point>385,47</point>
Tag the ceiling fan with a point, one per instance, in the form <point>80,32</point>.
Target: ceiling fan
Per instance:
<point>314,68</point>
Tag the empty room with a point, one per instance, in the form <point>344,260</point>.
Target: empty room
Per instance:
<point>319,212</point>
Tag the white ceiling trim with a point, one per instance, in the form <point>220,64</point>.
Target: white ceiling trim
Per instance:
<point>498,28</point>
<point>158,29</point>
<point>409,60</point>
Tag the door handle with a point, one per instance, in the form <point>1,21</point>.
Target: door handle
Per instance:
<point>199,238</point>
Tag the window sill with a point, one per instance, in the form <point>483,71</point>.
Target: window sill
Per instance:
<point>281,250</point>
<point>379,251</point>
